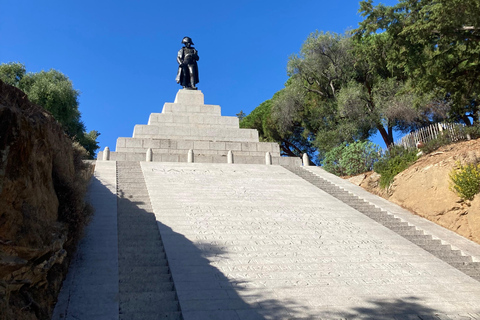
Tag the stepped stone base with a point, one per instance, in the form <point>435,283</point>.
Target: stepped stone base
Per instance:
<point>195,133</point>
<point>189,124</point>
<point>199,120</point>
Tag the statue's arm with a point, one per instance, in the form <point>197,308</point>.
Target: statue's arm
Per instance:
<point>196,55</point>
<point>180,57</point>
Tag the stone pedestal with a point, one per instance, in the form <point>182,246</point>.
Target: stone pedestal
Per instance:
<point>189,123</point>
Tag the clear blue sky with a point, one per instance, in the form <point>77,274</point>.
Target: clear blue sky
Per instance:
<point>121,55</point>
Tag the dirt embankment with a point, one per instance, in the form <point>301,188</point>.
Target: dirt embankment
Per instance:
<point>424,189</point>
<point>42,211</point>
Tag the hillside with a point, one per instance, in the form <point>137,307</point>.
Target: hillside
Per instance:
<point>424,189</point>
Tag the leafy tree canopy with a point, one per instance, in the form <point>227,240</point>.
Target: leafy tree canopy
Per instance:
<point>53,91</point>
<point>341,90</point>
<point>293,142</point>
<point>436,46</point>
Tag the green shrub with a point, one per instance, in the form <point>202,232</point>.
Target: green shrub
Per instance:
<point>442,139</point>
<point>352,159</point>
<point>392,163</point>
<point>472,131</point>
<point>466,180</point>
<point>359,157</point>
<point>331,162</point>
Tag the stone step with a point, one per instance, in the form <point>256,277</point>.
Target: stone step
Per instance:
<point>472,273</point>
<point>145,283</point>
<point>158,250</point>
<point>140,253</point>
<point>413,231</point>
<point>190,107</point>
<point>377,211</point>
<point>130,179</point>
<point>168,119</point>
<point>364,206</point>
<point>138,284</point>
<point>396,225</point>
<point>380,217</point>
<point>137,215</point>
<point>419,237</point>
<point>456,259</point>
<point>151,316</point>
<point>141,193</point>
<point>135,230</point>
<point>137,219</point>
<point>133,225</point>
<point>139,260</point>
<point>131,213</point>
<point>134,201</point>
<point>427,242</point>
<point>149,302</point>
<point>194,133</point>
<point>131,238</point>
<point>127,204</point>
<point>152,270</point>
<point>139,246</point>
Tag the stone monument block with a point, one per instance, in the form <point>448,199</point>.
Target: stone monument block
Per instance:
<point>189,97</point>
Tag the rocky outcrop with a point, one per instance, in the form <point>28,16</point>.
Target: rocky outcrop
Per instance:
<point>41,206</point>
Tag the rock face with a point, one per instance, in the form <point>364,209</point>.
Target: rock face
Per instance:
<point>38,206</point>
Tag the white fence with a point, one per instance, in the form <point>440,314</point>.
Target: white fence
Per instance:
<point>431,132</point>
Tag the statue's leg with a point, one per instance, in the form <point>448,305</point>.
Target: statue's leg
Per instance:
<point>192,76</point>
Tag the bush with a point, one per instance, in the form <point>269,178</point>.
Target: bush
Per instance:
<point>394,161</point>
<point>442,139</point>
<point>359,157</point>
<point>472,131</point>
<point>466,180</point>
<point>331,162</point>
<point>352,159</point>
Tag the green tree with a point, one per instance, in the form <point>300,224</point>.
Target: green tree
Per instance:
<point>53,91</point>
<point>11,73</point>
<point>308,103</point>
<point>341,90</point>
<point>436,45</point>
<point>292,144</point>
<point>241,115</point>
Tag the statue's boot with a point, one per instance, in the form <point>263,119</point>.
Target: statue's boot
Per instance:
<point>192,82</point>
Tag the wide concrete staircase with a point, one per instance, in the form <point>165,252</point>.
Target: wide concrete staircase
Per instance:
<point>245,238</point>
<point>409,232</point>
<point>146,289</point>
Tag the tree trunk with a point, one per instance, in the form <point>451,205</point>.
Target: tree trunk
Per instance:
<point>467,121</point>
<point>390,133</point>
<point>385,136</point>
<point>286,145</point>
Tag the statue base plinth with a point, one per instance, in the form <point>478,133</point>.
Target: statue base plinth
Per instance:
<point>190,97</point>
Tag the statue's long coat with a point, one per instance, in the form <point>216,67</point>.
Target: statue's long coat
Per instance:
<point>183,76</point>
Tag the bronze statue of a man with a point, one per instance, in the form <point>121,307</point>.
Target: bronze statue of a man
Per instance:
<point>187,58</point>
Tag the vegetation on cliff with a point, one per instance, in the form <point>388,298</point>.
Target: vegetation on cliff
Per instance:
<point>53,91</point>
